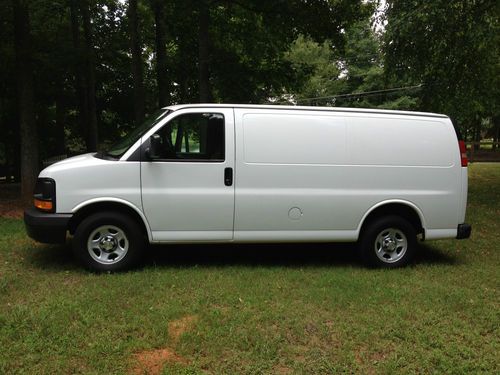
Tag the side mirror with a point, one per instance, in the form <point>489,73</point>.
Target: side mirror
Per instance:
<point>153,151</point>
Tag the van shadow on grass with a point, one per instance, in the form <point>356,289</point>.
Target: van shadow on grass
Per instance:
<point>279,255</point>
<point>427,254</point>
<point>220,255</point>
<point>267,255</point>
<point>53,258</point>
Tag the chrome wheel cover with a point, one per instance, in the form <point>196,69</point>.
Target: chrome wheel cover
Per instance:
<point>390,245</point>
<point>107,244</point>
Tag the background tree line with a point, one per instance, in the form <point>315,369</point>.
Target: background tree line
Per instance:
<point>78,74</point>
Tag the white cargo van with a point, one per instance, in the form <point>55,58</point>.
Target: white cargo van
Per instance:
<point>253,173</point>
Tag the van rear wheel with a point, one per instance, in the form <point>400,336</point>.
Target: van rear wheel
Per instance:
<point>388,242</point>
<point>108,241</point>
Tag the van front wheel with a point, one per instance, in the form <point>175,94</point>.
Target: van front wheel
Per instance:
<point>388,242</point>
<point>108,241</point>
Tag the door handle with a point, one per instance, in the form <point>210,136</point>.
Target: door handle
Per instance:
<point>228,176</point>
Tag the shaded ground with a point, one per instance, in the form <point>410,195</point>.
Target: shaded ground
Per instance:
<point>11,205</point>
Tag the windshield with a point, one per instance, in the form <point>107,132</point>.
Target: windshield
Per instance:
<point>117,150</point>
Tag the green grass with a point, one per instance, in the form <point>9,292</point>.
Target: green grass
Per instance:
<point>259,309</point>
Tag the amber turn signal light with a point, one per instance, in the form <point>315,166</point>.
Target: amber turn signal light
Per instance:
<point>43,205</point>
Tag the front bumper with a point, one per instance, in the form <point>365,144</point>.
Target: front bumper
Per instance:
<point>46,227</point>
<point>463,231</point>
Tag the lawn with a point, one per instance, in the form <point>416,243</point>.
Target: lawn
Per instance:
<point>258,309</point>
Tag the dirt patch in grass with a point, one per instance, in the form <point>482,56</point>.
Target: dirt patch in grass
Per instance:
<point>369,359</point>
<point>151,362</point>
<point>282,370</point>
<point>180,326</point>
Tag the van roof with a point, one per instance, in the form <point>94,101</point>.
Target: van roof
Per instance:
<point>306,108</point>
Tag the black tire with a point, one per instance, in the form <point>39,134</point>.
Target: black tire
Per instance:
<point>118,242</point>
<point>388,242</point>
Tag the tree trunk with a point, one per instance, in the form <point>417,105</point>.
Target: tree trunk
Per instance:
<point>477,130</point>
<point>204,53</point>
<point>60,137</point>
<point>178,139</point>
<point>16,148</point>
<point>496,134</point>
<point>183,76</point>
<point>42,120</point>
<point>25,98</point>
<point>79,70</point>
<point>137,74</point>
<point>91,138</point>
<point>161,53</point>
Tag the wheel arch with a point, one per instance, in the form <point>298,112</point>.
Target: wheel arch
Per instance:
<point>405,209</point>
<point>84,209</point>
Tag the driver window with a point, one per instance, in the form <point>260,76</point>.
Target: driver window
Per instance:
<point>194,136</point>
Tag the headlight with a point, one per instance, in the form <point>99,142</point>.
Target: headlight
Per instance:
<point>44,196</point>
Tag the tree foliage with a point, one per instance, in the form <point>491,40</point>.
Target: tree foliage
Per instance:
<point>452,48</point>
<point>352,76</point>
<point>98,66</point>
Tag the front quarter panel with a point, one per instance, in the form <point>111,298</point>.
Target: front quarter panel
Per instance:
<point>85,178</point>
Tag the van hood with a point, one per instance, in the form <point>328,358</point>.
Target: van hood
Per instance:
<point>79,161</point>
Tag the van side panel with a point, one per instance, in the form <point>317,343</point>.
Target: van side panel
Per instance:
<point>396,141</point>
<point>415,159</point>
<point>320,173</point>
<point>294,139</point>
<point>284,175</point>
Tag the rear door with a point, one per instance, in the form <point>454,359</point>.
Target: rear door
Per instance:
<point>188,194</point>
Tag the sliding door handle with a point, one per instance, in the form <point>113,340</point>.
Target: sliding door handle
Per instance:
<point>228,176</point>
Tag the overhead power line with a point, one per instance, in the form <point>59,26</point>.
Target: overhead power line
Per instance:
<point>363,93</point>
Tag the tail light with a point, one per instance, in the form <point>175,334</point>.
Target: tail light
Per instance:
<point>463,153</point>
